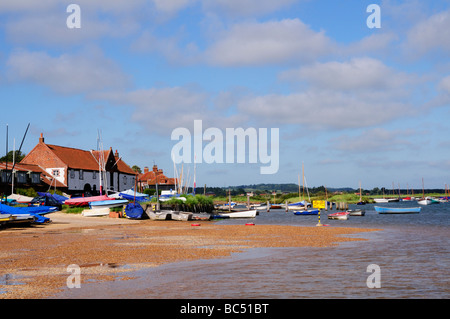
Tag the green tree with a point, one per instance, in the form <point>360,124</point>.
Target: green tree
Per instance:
<point>18,156</point>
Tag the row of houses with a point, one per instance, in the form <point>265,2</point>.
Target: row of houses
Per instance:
<point>73,171</point>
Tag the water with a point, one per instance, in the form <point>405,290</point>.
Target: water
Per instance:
<point>412,252</point>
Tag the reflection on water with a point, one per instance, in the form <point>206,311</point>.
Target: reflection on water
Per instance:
<point>412,252</point>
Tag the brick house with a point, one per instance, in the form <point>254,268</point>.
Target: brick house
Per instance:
<point>149,179</point>
<point>77,171</point>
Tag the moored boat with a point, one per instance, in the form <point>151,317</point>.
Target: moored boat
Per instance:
<point>356,212</point>
<point>240,214</point>
<point>307,212</point>
<point>397,210</point>
<point>339,216</point>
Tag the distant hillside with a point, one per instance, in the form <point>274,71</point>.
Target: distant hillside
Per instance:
<point>292,188</point>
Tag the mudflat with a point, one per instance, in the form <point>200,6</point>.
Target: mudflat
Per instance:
<point>34,260</point>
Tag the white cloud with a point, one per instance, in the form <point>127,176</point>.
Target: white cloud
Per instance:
<point>270,42</point>
<point>430,35</point>
<point>239,8</point>
<point>322,109</point>
<point>67,73</point>
<point>374,140</point>
<point>358,73</point>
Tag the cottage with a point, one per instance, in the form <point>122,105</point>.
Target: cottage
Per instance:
<point>77,171</point>
<point>149,179</point>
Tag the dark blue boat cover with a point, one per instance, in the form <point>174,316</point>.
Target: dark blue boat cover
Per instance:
<point>59,198</point>
<point>134,211</point>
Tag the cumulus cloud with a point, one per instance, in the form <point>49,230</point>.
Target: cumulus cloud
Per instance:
<point>273,42</point>
<point>357,73</point>
<point>68,73</point>
<point>239,8</point>
<point>322,109</point>
<point>430,35</point>
<point>374,140</point>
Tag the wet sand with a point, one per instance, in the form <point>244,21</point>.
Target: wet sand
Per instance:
<point>34,260</point>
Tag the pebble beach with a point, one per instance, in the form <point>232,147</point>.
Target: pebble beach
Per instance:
<point>33,263</point>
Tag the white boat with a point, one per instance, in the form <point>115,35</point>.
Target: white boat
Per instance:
<point>96,212</point>
<point>240,214</point>
<point>108,203</point>
<point>183,216</point>
<point>428,201</point>
<point>339,216</point>
<point>159,215</point>
<point>356,212</point>
<point>380,200</point>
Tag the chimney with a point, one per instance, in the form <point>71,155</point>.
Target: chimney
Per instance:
<point>145,169</point>
<point>41,139</point>
<point>155,168</point>
<point>116,154</point>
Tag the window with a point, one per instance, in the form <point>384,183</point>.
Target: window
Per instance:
<point>55,172</point>
<point>94,175</point>
<point>72,174</point>
<point>81,174</point>
<point>125,180</point>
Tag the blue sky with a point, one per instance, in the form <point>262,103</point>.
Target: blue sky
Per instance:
<point>351,103</point>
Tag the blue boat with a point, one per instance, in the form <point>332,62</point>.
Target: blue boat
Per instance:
<point>397,210</point>
<point>307,212</point>
<point>36,212</point>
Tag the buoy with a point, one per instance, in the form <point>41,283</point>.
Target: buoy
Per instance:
<point>249,224</point>
<point>195,224</point>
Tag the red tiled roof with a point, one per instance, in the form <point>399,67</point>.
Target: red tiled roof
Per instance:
<point>75,158</point>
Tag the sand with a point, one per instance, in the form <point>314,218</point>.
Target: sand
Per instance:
<point>34,260</point>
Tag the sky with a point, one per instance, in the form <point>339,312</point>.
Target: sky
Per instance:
<point>351,103</point>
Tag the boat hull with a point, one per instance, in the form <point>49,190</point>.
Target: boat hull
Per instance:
<point>307,212</point>
<point>339,216</point>
<point>395,210</point>
<point>356,212</point>
<point>243,214</point>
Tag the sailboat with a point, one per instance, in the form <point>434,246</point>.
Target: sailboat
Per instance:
<point>360,196</point>
<point>426,200</point>
<point>302,206</point>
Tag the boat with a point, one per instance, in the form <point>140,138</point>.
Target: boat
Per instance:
<point>134,211</point>
<point>96,212</point>
<point>158,215</point>
<point>201,216</point>
<point>21,199</point>
<point>307,212</point>
<point>339,216</point>
<point>356,212</point>
<point>299,205</point>
<point>183,216</point>
<point>28,213</point>
<point>240,214</point>
<point>428,201</point>
<point>84,201</point>
<point>130,194</point>
<point>425,201</point>
<point>397,210</point>
<point>108,203</point>
<point>380,200</point>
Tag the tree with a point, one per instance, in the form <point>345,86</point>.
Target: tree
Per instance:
<point>18,157</point>
<point>137,169</point>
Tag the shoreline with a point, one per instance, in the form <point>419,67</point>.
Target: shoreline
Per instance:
<point>34,263</point>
